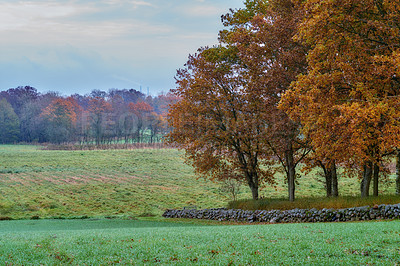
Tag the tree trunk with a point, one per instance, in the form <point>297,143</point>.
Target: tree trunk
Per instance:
<point>366,181</point>
<point>398,173</point>
<point>254,192</point>
<point>331,182</point>
<point>252,181</point>
<point>376,179</point>
<point>328,180</point>
<point>291,173</point>
<point>335,187</point>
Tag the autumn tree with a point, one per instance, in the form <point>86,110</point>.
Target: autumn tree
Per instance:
<point>398,172</point>
<point>19,96</point>
<point>259,59</point>
<point>114,122</point>
<point>270,59</point>
<point>161,106</point>
<point>62,116</point>
<point>119,109</point>
<point>141,110</point>
<point>129,96</point>
<point>156,125</point>
<point>33,125</point>
<point>162,102</point>
<point>99,109</point>
<point>328,172</point>
<point>218,121</point>
<point>9,123</point>
<point>348,101</point>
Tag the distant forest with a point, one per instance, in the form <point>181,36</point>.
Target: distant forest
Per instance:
<point>116,116</point>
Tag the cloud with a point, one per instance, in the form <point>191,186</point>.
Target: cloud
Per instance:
<point>72,22</point>
<point>134,4</point>
<point>25,15</point>
<point>202,11</point>
<point>111,43</point>
<point>202,8</point>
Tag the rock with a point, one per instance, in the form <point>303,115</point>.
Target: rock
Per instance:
<point>290,216</point>
<point>274,220</point>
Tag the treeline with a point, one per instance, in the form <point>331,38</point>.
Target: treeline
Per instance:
<point>117,116</point>
<point>312,83</point>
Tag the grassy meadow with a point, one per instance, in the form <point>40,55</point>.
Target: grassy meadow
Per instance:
<point>129,186</point>
<point>47,184</point>
<point>122,183</point>
<point>108,242</point>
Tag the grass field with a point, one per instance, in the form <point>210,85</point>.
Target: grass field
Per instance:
<point>59,184</point>
<point>42,183</point>
<point>105,242</point>
<point>124,184</point>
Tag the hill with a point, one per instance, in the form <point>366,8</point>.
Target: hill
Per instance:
<point>140,182</point>
<point>35,182</point>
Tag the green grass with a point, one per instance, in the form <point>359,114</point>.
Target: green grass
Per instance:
<point>44,183</point>
<point>142,182</point>
<point>131,183</point>
<point>102,242</point>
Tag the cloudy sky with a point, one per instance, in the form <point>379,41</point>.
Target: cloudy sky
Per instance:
<point>75,46</point>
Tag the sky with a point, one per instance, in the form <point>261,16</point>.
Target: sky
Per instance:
<point>76,46</point>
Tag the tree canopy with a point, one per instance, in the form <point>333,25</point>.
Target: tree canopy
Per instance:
<point>308,75</point>
<point>98,116</point>
<point>348,101</point>
<point>239,84</point>
<point>9,123</point>
<point>217,121</point>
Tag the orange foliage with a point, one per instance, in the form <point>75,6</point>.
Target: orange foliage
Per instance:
<point>98,105</point>
<point>349,101</point>
<point>227,117</point>
<point>271,60</point>
<point>217,122</point>
<point>140,108</point>
<point>62,110</point>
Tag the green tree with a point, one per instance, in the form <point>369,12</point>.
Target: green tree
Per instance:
<point>9,123</point>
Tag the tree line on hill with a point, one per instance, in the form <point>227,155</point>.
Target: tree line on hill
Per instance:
<point>116,116</point>
<point>310,82</point>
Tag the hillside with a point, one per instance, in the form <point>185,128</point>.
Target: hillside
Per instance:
<point>61,184</point>
<point>118,182</point>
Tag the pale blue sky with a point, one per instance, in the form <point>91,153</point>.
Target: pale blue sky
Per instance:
<point>75,46</point>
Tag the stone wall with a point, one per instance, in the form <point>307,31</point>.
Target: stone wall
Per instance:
<point>291,216</point>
